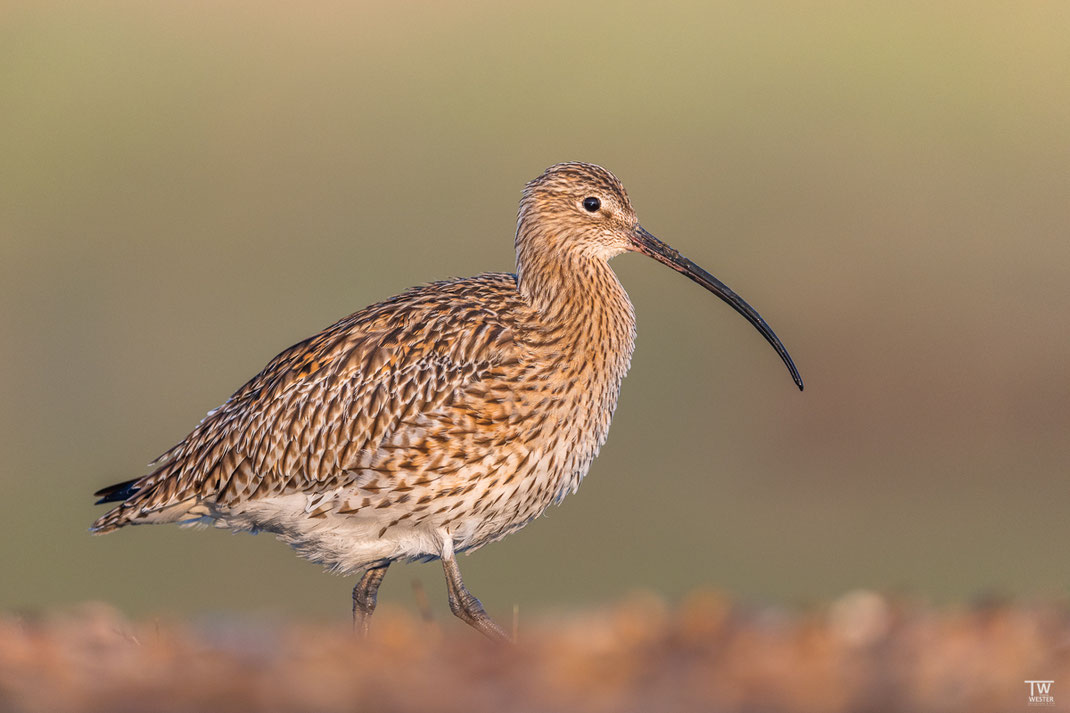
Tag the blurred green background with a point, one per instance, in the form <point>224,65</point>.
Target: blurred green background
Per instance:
<point>188,188</point>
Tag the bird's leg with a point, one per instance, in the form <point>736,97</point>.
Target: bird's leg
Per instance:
<point>364,597</point>
<point>464,605</point>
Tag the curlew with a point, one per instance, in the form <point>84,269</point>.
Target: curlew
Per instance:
<point>438,420</point>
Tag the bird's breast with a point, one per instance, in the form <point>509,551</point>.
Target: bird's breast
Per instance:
<point>580,370</point>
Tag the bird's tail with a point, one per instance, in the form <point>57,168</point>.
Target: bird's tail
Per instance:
<point>139,503</point>
<point>122,493</point>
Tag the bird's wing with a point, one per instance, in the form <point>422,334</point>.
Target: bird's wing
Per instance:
<point>316,407</point>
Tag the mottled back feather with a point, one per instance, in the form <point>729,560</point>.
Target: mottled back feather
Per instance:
<point>303,421</point>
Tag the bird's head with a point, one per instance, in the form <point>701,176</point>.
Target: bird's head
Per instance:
<point>576,208</point>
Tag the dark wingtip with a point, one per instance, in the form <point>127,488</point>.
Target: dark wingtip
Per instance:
<point>117,492</point>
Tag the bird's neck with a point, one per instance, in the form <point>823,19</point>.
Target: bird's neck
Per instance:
<point>578,298</point>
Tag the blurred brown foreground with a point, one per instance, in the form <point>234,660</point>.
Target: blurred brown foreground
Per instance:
<point>863,652</point>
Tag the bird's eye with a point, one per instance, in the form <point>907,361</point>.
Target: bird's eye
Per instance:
<point>591,204</point>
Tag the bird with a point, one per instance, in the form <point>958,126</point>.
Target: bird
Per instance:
<point>436,421</point>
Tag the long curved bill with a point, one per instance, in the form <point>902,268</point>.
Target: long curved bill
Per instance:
<point>649,245</point>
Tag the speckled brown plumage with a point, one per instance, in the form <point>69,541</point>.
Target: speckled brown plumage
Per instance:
<point>434,422</point>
